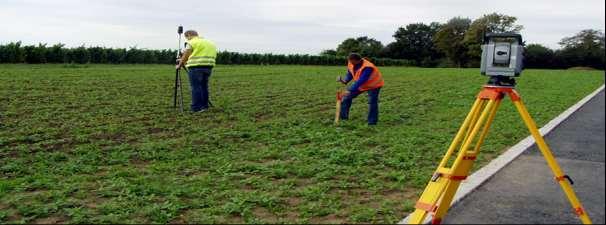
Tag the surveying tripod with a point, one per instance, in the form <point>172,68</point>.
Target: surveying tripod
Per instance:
<point>463,151</point>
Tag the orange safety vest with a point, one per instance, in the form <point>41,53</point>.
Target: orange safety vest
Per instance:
<point>376,79</point>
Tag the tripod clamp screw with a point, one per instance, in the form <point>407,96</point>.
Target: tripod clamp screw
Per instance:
<point>561,178</point>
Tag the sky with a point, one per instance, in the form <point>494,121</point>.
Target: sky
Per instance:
<point>272,26</point>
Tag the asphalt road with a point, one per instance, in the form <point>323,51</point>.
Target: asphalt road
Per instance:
<point>524,192</point>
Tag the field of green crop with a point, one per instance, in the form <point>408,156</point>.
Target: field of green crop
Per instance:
<point>100,143</point>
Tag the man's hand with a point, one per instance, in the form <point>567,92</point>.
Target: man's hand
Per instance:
<point>339,79</point>
<point>179,64</point>
<point>345,93</point>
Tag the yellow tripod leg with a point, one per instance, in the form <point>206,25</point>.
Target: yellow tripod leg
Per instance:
<point>465,160</point>
<point>443,185</point>
<point>419,215</point>
<point>551,161</point>
<point>475,109</point>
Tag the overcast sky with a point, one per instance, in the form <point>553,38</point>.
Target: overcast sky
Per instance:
<point>278,26</point>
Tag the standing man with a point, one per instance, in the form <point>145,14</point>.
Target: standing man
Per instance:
<point>367,78</point>
<point>199,58</point>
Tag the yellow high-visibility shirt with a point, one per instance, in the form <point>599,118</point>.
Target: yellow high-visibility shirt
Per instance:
<point>204,52</point>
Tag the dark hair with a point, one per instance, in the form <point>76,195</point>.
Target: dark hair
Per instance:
<point>354,56</point>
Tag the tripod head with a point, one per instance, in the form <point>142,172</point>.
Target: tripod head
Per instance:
<point>501,81</point>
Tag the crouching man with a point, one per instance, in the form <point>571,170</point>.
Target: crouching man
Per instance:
<point>367,78</point>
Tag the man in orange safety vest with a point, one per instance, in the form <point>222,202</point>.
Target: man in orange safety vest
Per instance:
<point>367,78</point>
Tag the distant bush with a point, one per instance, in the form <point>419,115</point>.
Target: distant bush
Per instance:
<point>16,53</point>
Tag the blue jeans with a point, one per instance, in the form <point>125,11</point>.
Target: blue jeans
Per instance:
<point>373,105</point>
<point>198,80</point>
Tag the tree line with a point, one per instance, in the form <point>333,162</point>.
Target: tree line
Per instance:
<point>15,52</point>
<point>457,42</point>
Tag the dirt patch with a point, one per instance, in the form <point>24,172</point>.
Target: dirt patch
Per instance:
<point>62,144</point>
<point>155,130</point>
<point>10,154</point>
<point>94,202</point>
<point>179,220</point>
<point>400,195</point>
<point>265,215</point>
<point>50,220</point>
<point>139,163</point>
<point>293,201</point>
<point>232,219</point>
<point>118,137</point>
<point>329,219</point>
<point>263,116</point>
<point>34,192</point>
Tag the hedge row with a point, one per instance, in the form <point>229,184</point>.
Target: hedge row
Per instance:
<point>15,52</point>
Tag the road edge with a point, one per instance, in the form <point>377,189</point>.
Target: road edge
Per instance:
<point>482,175</point>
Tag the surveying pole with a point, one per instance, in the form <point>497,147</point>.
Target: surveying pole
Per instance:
<point>178,89</point>
<point>501,61</point>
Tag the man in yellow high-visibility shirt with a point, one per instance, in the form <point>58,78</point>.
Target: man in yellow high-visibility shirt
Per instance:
<point>199,58</point>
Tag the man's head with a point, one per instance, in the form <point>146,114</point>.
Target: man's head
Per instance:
<point>190,34</point>
<point>354,58</point>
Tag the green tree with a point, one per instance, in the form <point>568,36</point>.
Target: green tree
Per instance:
<point>490,23</point>
<point>79,55</point>
<point>368,47</point>
<point>329,52</point>
<point>97,55</point>
<point>12,53</point>
<point>117,56</point>
<point>15,53</point>
<point>586,48</point>
<point>449,40</point>
<point>55,53</point>
<point>538,56</point>
<point>135,55</point>
<point>414,42</point>
<point>35,54</point>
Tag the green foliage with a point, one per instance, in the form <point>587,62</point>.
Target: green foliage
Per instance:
<point>490,23</point>
<point>450,40</point>
<point>54,54</point>
<point>12,53</point>
<point>415,42</point>
<point>89,143</point>
<point>15,53</point>
<point>79,55</point>
<point>538,56</point>
<point>329,52</point>
<point>367,47</point>
<point>586,48</point>
<point>458,44</point>
<point>35,54</point>
<point>453,44</point>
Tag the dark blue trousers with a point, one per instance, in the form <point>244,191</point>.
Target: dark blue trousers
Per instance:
<point>198,80</point>
<point>373,105</point>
